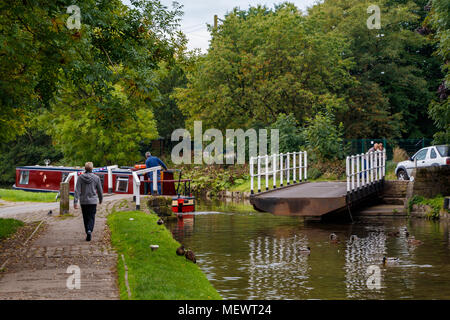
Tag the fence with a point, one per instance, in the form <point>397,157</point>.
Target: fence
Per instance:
<point>364,169</point>
<point>279,166</point>
<point>137,183</point>
<point>411,146</point>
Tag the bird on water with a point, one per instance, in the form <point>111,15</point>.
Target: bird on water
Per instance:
<point>334,238</point>
<point>387,261</point>
<point>306,250</point>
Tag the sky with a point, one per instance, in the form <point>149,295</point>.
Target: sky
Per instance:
<point>198,13</point>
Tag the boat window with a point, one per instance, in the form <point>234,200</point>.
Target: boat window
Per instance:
<point>122,184</point>
<point>24,177</point>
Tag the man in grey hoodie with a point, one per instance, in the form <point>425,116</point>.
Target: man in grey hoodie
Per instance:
<point>88,191</point>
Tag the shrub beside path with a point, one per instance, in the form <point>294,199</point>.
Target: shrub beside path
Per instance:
<point>38,270</point>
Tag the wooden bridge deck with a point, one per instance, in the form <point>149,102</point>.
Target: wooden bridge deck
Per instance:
<point>309,199</point>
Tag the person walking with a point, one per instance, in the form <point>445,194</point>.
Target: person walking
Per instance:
<point>150,163</point>
<point>88,192</point>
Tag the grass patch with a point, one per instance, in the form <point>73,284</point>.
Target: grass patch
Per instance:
<point>436,205</point>
<point>27,196</point>
<point>9,227</point>
<point>154,275</point>
<point>390,170</point>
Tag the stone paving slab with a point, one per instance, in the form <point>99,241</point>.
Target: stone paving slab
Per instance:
<point>39,269</point>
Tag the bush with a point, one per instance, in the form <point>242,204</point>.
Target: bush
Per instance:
<point>314,173</point>
<point>325,138</point>
<point>29,149</point>
<point>291,138</point>
<point>399,155</point>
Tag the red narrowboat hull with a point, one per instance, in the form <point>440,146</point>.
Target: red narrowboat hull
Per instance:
<point>183,206</point>
<point>48,179</point>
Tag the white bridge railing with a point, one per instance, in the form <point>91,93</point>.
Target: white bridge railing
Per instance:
<point>291,165</point>
<point>365,169</point>
<point>137,183</point>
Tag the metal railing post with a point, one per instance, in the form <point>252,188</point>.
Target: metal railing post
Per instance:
<point>371,166</point>
<point>294,169</point>
<point>267,172</point>
<point>352,172</point>
<point>259,174</point>
<point>281,169</point>
<point>288,167</point>
<point>300,167</point>
<point>306,165</point>
<point>363,169</point>
<point>274,168</point>
<point>358,160</point>
<point>347,171</point>
<point>251,176</point>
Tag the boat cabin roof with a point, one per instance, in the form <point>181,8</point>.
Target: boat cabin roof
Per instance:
<point>72,169</point>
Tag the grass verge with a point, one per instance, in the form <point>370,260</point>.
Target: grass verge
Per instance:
<point>154,275</point>
<point>436,205</point>
<point>26,196</point>
<point>9,227</point>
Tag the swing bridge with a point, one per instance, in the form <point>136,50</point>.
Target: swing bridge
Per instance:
<point>287,191</point>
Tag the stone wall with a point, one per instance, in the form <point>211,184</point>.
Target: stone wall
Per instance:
<point>430,182</point>
<point>395,188</point>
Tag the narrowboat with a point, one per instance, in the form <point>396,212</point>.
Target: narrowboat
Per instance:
<point>114,179</point>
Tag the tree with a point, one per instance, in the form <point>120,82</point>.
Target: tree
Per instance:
<point>263,62</point>
<point>324,137</point>
<point>290,135</point>
<point>439,109</point>
<point>95,87</point>
<point>31,148</point>
<point>394,63</point>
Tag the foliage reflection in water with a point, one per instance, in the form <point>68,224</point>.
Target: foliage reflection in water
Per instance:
<point>251,255</point>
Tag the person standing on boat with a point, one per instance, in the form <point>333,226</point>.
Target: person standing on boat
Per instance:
<point>150,163</point>
<point>89,192</point>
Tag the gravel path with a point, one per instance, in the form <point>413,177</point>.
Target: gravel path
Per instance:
<point>38,270</point>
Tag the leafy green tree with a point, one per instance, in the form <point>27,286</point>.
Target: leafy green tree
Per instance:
<point>290,136</point>
<point>167,114</point>
<point>394,63</point>
<point>31,148</point>
<point>324,137</point>
<point>439,109</point>
<point>263,62</point>
<point>95,87</point>
<point>78,130</point>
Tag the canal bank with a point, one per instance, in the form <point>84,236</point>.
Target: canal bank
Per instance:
<point>146,274</point>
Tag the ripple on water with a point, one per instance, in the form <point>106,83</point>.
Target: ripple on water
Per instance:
<point>256,257</point>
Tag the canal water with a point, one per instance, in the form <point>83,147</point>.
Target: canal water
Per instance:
<point>251,255</point>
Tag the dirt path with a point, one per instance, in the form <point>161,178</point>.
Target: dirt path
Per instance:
<point>39,269</point>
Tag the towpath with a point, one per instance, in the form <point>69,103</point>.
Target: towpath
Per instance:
<point>38,269</point>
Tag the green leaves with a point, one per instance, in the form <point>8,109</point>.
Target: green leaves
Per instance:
<point>261,63</point>
<point>324,137</point>
<point>92,89</point>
